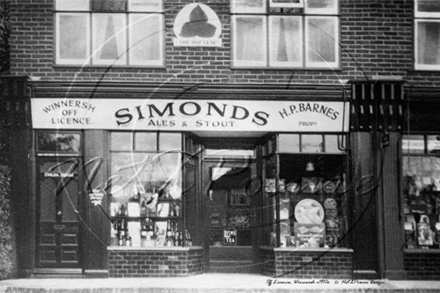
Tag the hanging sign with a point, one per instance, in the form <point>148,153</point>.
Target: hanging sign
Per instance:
<point>190,115</point>
<point>197,25</point>
<point>96,196</point>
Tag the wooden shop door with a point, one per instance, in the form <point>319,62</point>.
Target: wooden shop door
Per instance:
<point>58,205</point>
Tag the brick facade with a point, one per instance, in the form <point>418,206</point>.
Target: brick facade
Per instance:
<point>137,263</point>
<point>422,265</point>
<point>376,40</point>
<point>308,264</point>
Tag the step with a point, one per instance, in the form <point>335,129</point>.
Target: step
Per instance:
<point>231,252</point>
<point>233,267</point>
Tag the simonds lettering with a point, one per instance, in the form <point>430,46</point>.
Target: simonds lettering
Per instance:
<point>209,109</point>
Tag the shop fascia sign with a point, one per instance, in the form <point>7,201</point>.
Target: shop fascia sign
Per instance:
<point>197,25</point>
<point>190,115</point>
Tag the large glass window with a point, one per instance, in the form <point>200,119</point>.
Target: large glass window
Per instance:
<point>427,34</point>
<point>305,193</point>
<point>286,34</point>
<point>114,32</point>
<point>146,189</point>
<point>421,191</point>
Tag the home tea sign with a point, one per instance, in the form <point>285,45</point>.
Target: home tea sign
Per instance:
<point>197,25</point>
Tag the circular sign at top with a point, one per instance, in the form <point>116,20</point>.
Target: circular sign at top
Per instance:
<point>197,21</point>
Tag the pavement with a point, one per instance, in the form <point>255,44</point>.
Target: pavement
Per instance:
<point>215,283</point>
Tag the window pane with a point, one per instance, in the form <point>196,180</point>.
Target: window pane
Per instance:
<point>322,41</point>
<point>248,6</point>
<point>146,141</point>
<point>72,5</point>
<point>121,141</point>
<point>413,144</point>
<point>332,144</point>
<point>146,39</point>
<point>428,42</point>
<point>434,144</point>
<point>58,142</point>
<point>249,41</point>
<point>311,144</point>
<point>170,141</point>
<point>288,143</point>
<point>72,37</point>
<point>428,6</point>
<point>144,5</point>
<point>286,3</point>
<point>109,5</point>
<point>109,35</point>
<point>285,41</point>
<point>321,6</point>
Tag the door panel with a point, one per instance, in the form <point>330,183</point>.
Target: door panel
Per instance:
<point>59,235</point>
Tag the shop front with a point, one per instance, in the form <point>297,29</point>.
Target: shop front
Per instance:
<point>176,187</point>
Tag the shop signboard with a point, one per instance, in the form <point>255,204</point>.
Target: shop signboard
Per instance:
<point>190,115</point>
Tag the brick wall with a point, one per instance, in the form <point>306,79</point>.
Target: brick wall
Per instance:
<point>316,264</point>
<point>422,265</point>
<point>134,263</point>
<point>376,40</point>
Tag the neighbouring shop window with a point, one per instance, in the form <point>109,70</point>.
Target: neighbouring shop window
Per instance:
<point>146,192</point>
<point>110,32</point>
<point>285,34</point>
<point>61,143</point>
<point>427,34</point>
<point>421,190</point>
<point>305,192</point>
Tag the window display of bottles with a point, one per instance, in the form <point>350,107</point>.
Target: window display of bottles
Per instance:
<point>146,192</point>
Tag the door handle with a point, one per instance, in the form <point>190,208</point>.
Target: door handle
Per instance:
<point>59,227</point>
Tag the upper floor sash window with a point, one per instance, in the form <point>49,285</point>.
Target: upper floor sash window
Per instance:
<point>427,34</point>
<point>285,34</point>
<point>109,32</point>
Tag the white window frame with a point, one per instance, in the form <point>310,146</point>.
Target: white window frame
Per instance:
<point>83,7</point>
<point>331,12</point>
<point>244,63</point>
<point>58,59</point>
<point>310,64</point>
<point>420,17</point>
<point>273,63</point>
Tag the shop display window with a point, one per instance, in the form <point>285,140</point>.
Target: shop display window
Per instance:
<point>421,191</point>
<point>146,193</point>
<point>305,194</point>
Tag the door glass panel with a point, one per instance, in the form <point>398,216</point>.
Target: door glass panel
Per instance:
<point>59,190</point>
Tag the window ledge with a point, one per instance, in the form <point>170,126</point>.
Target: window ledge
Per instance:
<point>305,250</point>
<point>422,251</point>
<point>174,248</point>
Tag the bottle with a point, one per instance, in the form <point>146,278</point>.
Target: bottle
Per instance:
<point>128,240</point>
<point>188,238</point>
<point>143,233</point>
<point>410,234</point>
<point>169,237</point>
<point>437,232</point>
<point>177,210</point>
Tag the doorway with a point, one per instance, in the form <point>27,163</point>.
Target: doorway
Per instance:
<point>231,213</point>
<point>58,232</point>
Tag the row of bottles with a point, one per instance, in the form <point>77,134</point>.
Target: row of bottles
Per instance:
<point>147,233</point>
<point>136,209</point>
